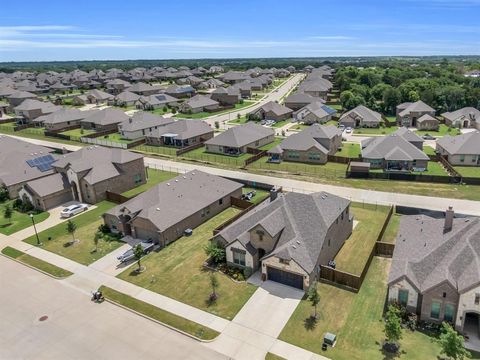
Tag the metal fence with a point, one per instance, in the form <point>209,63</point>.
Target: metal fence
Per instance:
<point>103,142</point>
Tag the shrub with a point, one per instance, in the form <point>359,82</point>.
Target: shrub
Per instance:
<point>104,229</point>
<point>3,194</point>
<point>216,252</point>
<point>23,206</point>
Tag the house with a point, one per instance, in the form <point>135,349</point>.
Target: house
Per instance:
<point>393,152</point>
<point>237,139</point>
<point>226,96</point>
<point>162,213</point>
<point>181,133</point>
<point>428,122</point>
<point>62,119</point>
<point>16,166</point>
<point>271,111</point>
<point>98,97</point>
<point>198,103</point>
<point>125,98</point>
<point>435,270</point>
<point>317,87</point>
<point>461,150</point>
<point>233,77</point>
<point>410,136</point>
<point>144,89</point>
<point>104,120</point>
<point>117,86</point>
<point>299,100</point>
<point>30,109</point>
<point>409,113</point>
<point>311,145</point>
<point>155,101</point>
<point>180,91</point>
<point>315,112</point>
<point>211,83</point>
<point>87,174</point>
<point>18,97</point>
<point>287,238</point>
<point>141,123</point>
<point>467,117</point>
<point>361,116</point>
<point>79,100</point>
<point>244,88</point>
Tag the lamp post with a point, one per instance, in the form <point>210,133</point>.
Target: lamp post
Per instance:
<point>35,228</point>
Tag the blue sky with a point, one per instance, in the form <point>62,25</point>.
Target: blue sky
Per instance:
<point>93,30</point>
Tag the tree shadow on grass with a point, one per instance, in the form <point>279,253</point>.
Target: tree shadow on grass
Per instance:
<point>310,323</point>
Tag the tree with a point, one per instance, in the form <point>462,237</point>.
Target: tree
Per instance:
<point>391,98</point>
<point>96,239</point>
<point>3,193</point>
<point>393,328</point>
<point>452,343</point>
<point>217,125</point>
<point>138,253</point>
<point>216,252</point>
<point>71,228</point>
<point>214,284</point>
<point>314,297</point>
<point>8,213</point>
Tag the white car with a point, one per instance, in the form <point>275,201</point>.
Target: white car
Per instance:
<point>348,130</point>
<point>72,210</point>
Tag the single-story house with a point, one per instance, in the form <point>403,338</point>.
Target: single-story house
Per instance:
<point>181,133</point>
<point>428,122</point>
<point>180,91</point>
<point>317,87</point>
<point>435,270</point>
<point>410,136</point>
<point>299,100</point>
<point>288,237</point>
<point>271,111</point>
<point>467,117</point>
<point>125,98</point>
<point>62,119</point>
<point>117,86</point>
<point>96,96</point>
<point>80,100</point>
<point>311,145</point>
<point>30,109</point>
<point>461,150</point>
<point>155,101</point>
<point>104,120</point>
<point>237,139</point>
<point>315,112</point>
<point>144,89</point>
<point>198,103</point>
<point>163,213</point>
<point>211,83</point>
<point>361,116</point>
<point>47,192</point>
<point>140,124</point>
<point>226,96</point>
<point>408,113</point>
<point>18,97</point>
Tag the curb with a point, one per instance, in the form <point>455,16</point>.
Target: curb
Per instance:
<point>37,269</point>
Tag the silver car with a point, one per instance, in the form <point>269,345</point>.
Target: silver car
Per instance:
<point>73,210</point>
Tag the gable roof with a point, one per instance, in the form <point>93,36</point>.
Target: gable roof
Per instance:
<point>465,144</point>
<point>275,108</point>
<point>391,147</point>
<point>200,101</point>
<point>426,117</point>
<point>182,129</point>
<point>106,117</point>
<point>307,138</point>
<point>143,120</point>
<point>319,109</point>
<point>467,113</point>
<point>366,114</point>
<point>64,115</point>
<point>407,134</point>
<point>418,106</point>
<point>241,135</point>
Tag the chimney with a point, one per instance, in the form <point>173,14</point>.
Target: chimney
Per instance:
<point>273,194</point>
<point>449,215</point>
<point>130,120</point>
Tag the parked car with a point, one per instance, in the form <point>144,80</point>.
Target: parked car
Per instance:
<point>428,137</point>
<point>73,210</point>
<point>128,255</point>
<point>348,130</point>
<point>341,127</point>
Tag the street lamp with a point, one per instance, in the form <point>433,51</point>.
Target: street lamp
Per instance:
<point>35,228</point>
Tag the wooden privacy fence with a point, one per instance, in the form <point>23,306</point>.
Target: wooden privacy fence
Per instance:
<point>255,157</point>
<point>116,198</point>
<point>384,249</point>
<point>189,148</point>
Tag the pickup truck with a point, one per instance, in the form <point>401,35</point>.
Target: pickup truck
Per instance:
<point>129,255</point>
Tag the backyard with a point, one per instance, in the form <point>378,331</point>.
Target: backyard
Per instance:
<point>177,272</point>
<point>78,132</point>
<point>19,221</point>
<point>59,241</point>
<point>375,131</point>
<point>154,177</point>
<point>357,323</point>
<point>329,170</point>
<point>351,150</point>
<point>392,228</point>
<point>259,196</point>
<point>201,155</point>
<point>469,171</point>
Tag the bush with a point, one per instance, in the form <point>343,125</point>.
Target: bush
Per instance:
<point>216,252</point>
<point>23,206</point>
<point>247,272</point>
<point>3,194</point>
<point>104,229</point>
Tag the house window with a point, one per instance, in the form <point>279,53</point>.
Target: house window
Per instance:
<point>343,214</point>
<point>477,298</point>
<point>444,294</point>
<point>220,202</point>
<point>284,261</point>
<point>238,257</point>
<point>403,297</point>
<point>435,310</point>
<point>449,312</point>
<point>462,158</point>
<point>293,155</point>
<point>260,235</point>
<point>314,156</point>
<point>137,178</point>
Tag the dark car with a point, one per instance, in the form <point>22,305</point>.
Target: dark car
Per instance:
<point>428,137</point>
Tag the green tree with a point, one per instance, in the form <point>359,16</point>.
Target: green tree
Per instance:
<point>8,213</point>
<point>391,98</point>
<point>452,343</point>
<point>216,252</point>
<point>214,284</point>
<point>3,193</point>
<point>393,328</point>
<point>71,228</point>
<point>96,239</point>
<point>138,253</point>
<point>314,298</point>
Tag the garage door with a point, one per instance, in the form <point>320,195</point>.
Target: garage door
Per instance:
<point>285,277</point>
<point>144,234</point>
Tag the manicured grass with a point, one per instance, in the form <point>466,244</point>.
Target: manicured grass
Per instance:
<point>242,120</point>
<point>329,170</point>
<point>391,119</point>
<point>202,115</point>
<point>351,150</point>
<point>81,251</point>
<point>337,107</point>
<point>158,314</point>
<point>259,196</point>
<point>271,356</point>
<point>201,155</point>
<point>154,177</point>
<point>19,221</point>
<point>428,150</point>
<point>354,254</point>
<point>279,124</point>
<point>375,131</point>
<point>159,150</point>
<point>392,228</point>
<point>442,131</point>
<point>35,262</point>
<point>433,168</point>
<point>356,319</point>
<point>275,142</point>
<point>115,138</point>
<point>78,132</point>
<point>177,272</point>
<point>160,111</point>
<point>468,171</point>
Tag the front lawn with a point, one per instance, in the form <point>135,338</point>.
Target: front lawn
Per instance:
<point>241,120</point>
<point>354,254</point>
<point>154,177</point>
<point>329,170</point>
<point>350,150</point>
<point>59,241</point>
<point>35,262</point>
<point>158,314</point>
<point>468,171</point>
<point>201,115</point>
<point>375,131</point>
<point>177,272</point>
<point>356,319</point>
<point>442,131</point>
<point>282,123</point>
<point>19,221</point>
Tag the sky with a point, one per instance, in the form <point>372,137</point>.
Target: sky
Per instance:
<point>117,30</point>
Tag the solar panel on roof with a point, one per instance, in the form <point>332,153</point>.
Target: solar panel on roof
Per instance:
<point>328,109</point>
<point>42,163</point>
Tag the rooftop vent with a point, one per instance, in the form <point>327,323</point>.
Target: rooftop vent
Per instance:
<point>158,209</point>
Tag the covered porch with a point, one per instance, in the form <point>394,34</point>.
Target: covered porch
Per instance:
<point>171,139</point>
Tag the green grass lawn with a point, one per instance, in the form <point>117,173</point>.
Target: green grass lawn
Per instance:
<point>356,319</point>
<point>279,124</point>
<point>201,155</point>
<point>337,107</point>
<point>179,274</point>
<point>242,120</point>
<point>78,132</point>
<point>158,314</point>
<point>159,150</point>
<point>354,254</point>
<point>160,111</point>
<point>35,262</point>
<point>375,131</point>
<point>202,115</point>
<point>391,119</point>
<point>392,228</point>
<point>81,251</point>
<point>19,221</point>
<point>468,171</point>
<point>351,150</point>
<point>434,168</point>
<point>428,150</point>
<point>442,131</point>
<point>329,170</point>
<point>259,196</point>
<point>275,142</point>
<point>154,177</point>
<point>271,356</point>
<point>115,138</point>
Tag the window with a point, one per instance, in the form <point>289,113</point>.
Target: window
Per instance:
<point>462,158</point>
<point>444,294</point>
<point>403,297</point>
<point>137,178</point>
<point>220,202</point>
<point>343,213</point>
<point>449,312</point>
<point>477,298</point>
<point>238,257</point>
<point>293,155</point>
<point>284,261</point>
<point>260,234</point>
<point>314,156</point>
<point>435,310</point>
